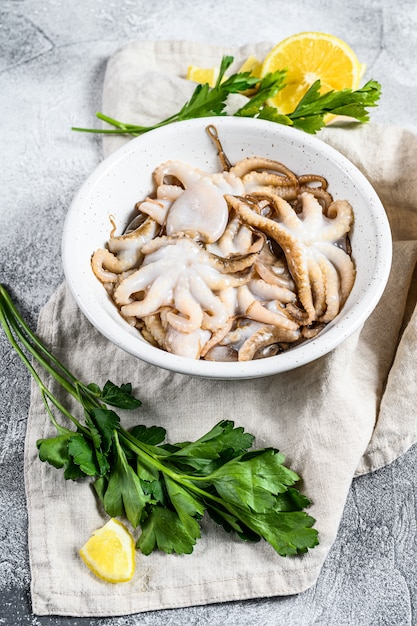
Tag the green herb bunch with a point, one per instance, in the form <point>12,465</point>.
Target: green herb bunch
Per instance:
<point>309,115</point>
<point>165,489</point>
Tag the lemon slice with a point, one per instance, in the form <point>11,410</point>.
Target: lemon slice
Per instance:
<point>203,74</point>
<point>307,57</point>
<point>110,553</point>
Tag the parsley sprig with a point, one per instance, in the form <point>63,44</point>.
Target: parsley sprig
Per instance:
<point>309,115</point>
<point>165,489</point>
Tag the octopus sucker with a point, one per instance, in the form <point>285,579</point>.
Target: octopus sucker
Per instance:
<point>319,290</point>
<point>233,265</point>
<point>155,329</point>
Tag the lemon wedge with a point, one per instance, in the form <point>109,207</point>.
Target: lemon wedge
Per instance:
<point>202,74</point>
<point>307,57</point>
<point>110,553</point>
<point>210,74</point>
<point>252,65</point>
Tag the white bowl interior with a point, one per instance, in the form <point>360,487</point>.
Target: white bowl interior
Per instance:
<point>126,177</point>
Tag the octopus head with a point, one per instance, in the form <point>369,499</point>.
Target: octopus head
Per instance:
<point>200,212</point>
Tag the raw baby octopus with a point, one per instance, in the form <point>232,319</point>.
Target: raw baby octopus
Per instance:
<point>236,265</point>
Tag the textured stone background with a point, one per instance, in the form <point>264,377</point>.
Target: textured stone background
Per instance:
<point>53,55</point>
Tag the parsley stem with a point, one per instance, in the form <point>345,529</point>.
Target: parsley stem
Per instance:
<point>183,479</point>
<point>11,320</point>
<point>34,338</point>
<point>124,128</point>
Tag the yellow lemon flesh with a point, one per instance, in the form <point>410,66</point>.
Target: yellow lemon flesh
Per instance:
<point>202,75</point>
<point>210,74</point>
<point>110,553</point>
<point>252,65</point>
<point>308,57</point>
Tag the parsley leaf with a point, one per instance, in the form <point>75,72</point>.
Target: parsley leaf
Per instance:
<point>124,495</point>
<point>151,435</point>
<point>120,397</point>
<point>162,529</point>
<point>223,436</point>
<point>253,481</point>
<point>309,115</point>
<point>55,450</point>
<point>289,533</point>
<point>164,489</point>
<point>82,454</point>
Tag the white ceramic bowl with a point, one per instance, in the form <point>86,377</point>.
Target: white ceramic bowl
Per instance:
<point>125,177</point>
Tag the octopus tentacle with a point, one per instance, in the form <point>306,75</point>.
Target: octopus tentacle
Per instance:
<point>264,337</point>
<point>267,291</point>
<point>153,300</point>
<point>184,174</point>
<point>340,215</point>
<point>289,193</point>
<point>168,192</point>
<point>215,313</point>
<point>344,265</point>
<point>157,209</point>
<point>322,196</point>
<point>255,163</point>
<point>318,289</point>
<point>123,252</point>
<point>233,264</point>
<point>224,161</point>
<point>274,269</point>
<point>256,179</point>
<point>331,279</point>
<point>188,345</point>
<point>106,266</point>
<point>253,308</point>
<point>156,329</point>
<point>136,282</point>
<point>191,316</point>
<point>307,179</point>
<point>217,336</point>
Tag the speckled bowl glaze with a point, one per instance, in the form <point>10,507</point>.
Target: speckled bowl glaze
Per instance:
<point>126,177</point>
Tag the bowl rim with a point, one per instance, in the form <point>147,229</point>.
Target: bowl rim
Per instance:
<point>306,352</point>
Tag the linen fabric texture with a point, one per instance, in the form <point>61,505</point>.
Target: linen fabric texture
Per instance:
<point>348,413</point>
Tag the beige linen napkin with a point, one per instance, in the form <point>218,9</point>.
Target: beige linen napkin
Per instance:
<point>346,414</point>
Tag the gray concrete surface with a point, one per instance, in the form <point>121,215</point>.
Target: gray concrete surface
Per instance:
<point>53,55</point>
